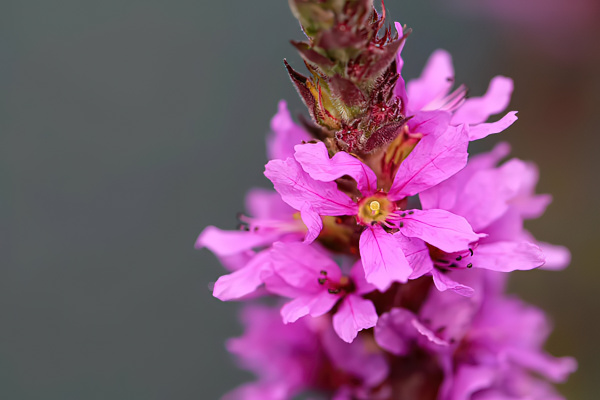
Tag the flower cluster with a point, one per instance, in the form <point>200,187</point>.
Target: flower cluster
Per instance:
<point>384,245</point>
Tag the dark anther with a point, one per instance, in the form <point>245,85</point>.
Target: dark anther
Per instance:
<point>323,272</point>
<point>471,251</point>
<point>411,212</point>
<point>469,265</point>
<point>322,281</point>
<point>403,215</point>
<point>458,258</point>
<point>334,291</point>
<point>401,224</point>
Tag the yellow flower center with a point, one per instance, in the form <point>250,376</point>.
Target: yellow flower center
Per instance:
<point>375,206</point>
<point>374,209</point>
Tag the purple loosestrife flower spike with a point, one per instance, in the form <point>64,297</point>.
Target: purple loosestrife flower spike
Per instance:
<point>384,249</point>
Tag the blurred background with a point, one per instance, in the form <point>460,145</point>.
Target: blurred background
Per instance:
<point>126,126</point>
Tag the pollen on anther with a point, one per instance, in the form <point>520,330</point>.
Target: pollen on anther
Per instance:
<point>374,205</point>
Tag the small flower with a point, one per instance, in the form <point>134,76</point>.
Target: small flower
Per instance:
<point>432,91</point>
<point>272,221</point>
<point>316,284</point>
<point>307,184</point>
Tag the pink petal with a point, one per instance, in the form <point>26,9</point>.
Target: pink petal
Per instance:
<point>382,258</point>
<point>353,315</point>
<point>300,265</point>
<point>486,195</point>
<point>471,379</point>
<point>476,110</point>
<point>227,243</point>
<point>508,256</point>
<point>482,130</point>
<point>285,134</point>
<point>443,282</point>
<point>358,359</point>
<point>315,160</point>
<point>313,222</point>
<point>438,156</point>
<point>557,257</point>
<point>303,193</point>
<point>357,274</point>
<point>446,194</point>
<point>417,254</point>
<point>394,331</point>
<point>429,334</point>
<point>442,229</point>
<point>434,83</point>
<point>313,305</point>
<point>245,280</point>
<point>267,204</point>
<point>555,369</point>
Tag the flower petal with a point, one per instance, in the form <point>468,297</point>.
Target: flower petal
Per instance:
<point>556,369</point>
<point>382,258</point>
<point>314,159</point>
<point>267,204</point>
<point>394,331</point>
<point>285,134</point>
<point>485,197</point>
<point>557,257</point>
<point>443,282</point>
<point>245,280</point>
<point>471,379</point>
<point>476,110</point>
<point>417,254</point>
<point>482,130</point>
<point>354,314</point>
<point>301,265</point>
<point>508,256</point>
<point>357,274</point>
<point>438,156</point>
<point>313,222</point>
<point>227,243</point>
<point>434,83</point>
<point>313,305</point>
<point>442,229</point>
<point>305,194</point>
<point>446,194</point>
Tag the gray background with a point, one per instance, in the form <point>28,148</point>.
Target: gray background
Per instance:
<point>127,126</point>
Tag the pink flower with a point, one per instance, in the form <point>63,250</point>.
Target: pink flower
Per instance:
<point>433,91</point>
<point>307,184</point>
<point>316,284</point>
<point>285,134</point>
<point>487,344</point>
<point>495,201</point>
<point>289,359</point>
<point>272,221</point>
<point>286,358</point>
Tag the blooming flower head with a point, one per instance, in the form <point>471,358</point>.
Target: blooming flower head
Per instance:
<point>383,249</point>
